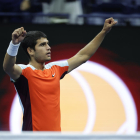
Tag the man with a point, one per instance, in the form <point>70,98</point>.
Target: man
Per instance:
<point>37,84</point>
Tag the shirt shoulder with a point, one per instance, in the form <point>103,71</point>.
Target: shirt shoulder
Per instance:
<point>22,66</point>
<point>26,70</point>
<point>61,66</point>
<point>57,63</point>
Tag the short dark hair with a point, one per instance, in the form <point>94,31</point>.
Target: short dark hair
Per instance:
<point>30,40</point>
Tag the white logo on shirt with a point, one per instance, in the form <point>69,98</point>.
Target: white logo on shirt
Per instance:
<point>53,75</point>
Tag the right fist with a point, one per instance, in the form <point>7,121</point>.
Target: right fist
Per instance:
<point>18,35</point>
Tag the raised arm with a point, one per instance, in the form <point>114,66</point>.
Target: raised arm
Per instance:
<point>84,54</point>
<point>9,66</point>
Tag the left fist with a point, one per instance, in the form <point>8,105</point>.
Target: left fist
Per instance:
<point>108,24</point>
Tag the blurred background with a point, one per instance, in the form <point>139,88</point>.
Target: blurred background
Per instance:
<point>102,95</point>
<point>91,12</point>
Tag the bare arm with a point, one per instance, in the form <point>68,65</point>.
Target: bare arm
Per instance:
<point>9,66</point>
<point>84,54</point>
<point>9,63</point>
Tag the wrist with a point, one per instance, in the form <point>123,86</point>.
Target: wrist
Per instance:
<point>13,49</point>
<point>14,44</point>
<point>103,32</point>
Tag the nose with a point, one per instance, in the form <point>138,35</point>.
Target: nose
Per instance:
<point>48,47</point>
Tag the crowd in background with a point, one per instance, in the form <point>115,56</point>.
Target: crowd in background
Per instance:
<point>29,11</point>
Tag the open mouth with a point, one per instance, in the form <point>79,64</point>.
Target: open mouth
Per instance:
<point>49,53</point>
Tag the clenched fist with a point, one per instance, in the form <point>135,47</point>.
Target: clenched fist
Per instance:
<point>18,35</point>
<point>108,24</point>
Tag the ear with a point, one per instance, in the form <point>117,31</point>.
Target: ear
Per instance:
<point>30,51</point>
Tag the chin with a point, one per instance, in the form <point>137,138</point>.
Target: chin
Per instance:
<point>48,59</point>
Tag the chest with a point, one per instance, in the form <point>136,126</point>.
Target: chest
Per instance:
<point>46,80</point>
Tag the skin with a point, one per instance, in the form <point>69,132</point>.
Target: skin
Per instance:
<point>40,55</point>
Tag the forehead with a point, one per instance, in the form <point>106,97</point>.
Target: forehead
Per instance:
<point>41,40</point>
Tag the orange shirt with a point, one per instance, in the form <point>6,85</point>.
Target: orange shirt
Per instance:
<point>39,92</point>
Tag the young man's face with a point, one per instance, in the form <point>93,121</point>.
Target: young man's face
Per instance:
<point>42,51</point>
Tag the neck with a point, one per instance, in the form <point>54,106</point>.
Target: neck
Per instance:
<point>37,65</point>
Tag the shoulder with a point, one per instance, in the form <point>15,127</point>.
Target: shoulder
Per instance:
<point>22,66</point>
<point>57,63</point>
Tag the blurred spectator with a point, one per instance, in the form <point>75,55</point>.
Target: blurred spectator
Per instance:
<point>45,9</point>
<point>71,7</point>
<point>102,7</point>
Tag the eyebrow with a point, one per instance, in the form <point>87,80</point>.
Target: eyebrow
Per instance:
<point>43,43</point>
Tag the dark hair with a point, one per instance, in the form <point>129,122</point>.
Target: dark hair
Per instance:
<point>31,39</point>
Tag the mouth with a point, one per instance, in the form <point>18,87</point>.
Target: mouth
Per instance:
<point>49,54</point>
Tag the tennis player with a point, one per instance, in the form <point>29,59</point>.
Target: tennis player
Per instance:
<point>37,84</point>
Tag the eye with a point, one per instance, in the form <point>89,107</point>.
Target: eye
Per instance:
<point>43,44</point>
